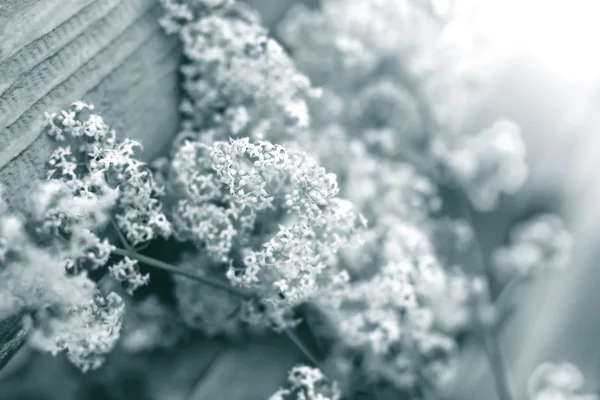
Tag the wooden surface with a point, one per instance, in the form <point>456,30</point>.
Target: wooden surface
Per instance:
<point>111,53</point>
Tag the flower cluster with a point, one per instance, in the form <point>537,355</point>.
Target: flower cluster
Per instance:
<point>285,269</point>
<point>539,244</point>
<point>488,164</point>
<point>64,310</point>
<point>238,81</point>
<point>87,332</point>
<point>100,156</point>
<point>563,381</point>
<point>306,383</point>
<point>100,180</point>
<point>388,321</point>
<point>285,194</point>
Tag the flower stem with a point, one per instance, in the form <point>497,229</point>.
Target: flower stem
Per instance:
<point>496,361</point>
<point>210,281</point>
<point>488,337</point>
<point>152,262</point>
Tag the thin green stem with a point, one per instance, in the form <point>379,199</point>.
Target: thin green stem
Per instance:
<point>170,268</point>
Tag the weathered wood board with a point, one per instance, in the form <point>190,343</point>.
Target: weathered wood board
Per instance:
<point>111,53</point>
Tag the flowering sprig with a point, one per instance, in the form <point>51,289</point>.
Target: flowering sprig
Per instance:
<point>307,383</point>
<point>536,245</point>
<point>237,81</point>
<point>103,175</point>
<point>87,332</point>
<point>560,381</point>
<point>100,155</point>
<point>488,164</point>
<point>64,310</point>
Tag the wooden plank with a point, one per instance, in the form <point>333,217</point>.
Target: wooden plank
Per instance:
<point>12,337</point>
<point>111,53</point>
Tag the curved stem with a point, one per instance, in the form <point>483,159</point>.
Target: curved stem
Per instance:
<point>152,262</point>
<point>213,282</point>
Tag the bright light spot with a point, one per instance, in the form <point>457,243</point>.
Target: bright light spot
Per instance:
<point>561,35</point>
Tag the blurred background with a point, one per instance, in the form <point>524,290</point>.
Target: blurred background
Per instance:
<point>546,77</point>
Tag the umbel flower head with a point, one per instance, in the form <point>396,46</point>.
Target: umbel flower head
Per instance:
<point>388,323</point>
<point>102,179</point>
<point>278,205</point>
<point>557,381</point>
<point>538,244</point>
<point>308,383</point>
<point>65,311</point>
<point>238,81</point>
<point>488,164</point>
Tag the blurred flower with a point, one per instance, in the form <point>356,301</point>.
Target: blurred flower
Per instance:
<point>150,324</point>
<point>204,308</point>
<point>541,243</point>
<point>488,164</point>
<point>561,381</point>
<point>307,383</point>
<point>239,82</point>
<point>87,332</point>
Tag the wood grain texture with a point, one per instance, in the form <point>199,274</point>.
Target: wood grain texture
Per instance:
<point>108,52</point>
<point>12,337</point>
<point>111,53</point>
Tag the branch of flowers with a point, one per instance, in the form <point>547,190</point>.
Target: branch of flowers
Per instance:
<point>216,283</point>
<point>152,262</point>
